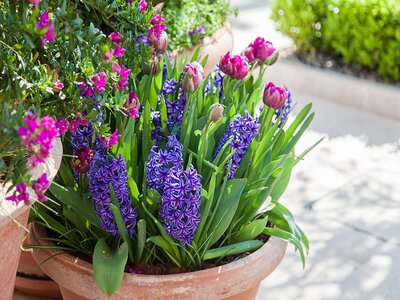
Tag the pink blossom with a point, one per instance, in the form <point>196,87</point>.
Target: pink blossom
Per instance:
<point>40,187</point>
<point>157,20</point>
<point>35,2</point>
<point>111,140</point>
<point>109,55</point>
<point>38,137</point>
<point>235,66</point>
<point>142,5</point>
<point>124,76</point>
<point>77,121</point>
<point>20,194</point>
<point>62,126</point>
<point>57,86</point>
<point>274,96</point>
<point>45,22</point>
<point>192,76</point>
<point>119,51</point>
<point>132,105</point>
<point>99,81</point>
<point>115,37</point>
<point>259,50</point>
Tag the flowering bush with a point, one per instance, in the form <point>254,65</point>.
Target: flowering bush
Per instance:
<point>179,180</point>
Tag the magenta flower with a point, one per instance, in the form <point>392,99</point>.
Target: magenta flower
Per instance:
<point>79,119</point>
<point>236,66</point>
<point>38,137</point>
<point>142,5</point>
<point>132,105</point>
<point>62,126</point>
<point>35,2</point>
<point>99,81</point>
<point>259,50</point>
<point>274,96</point>
<point>124,75</point>
<point>158,27</point>
<point>45,22</point>
<point>57,86</point>
<point>81,161</point>
<point>86,90</point>
<point>192,75</point>
<point>40,187</point>
<point>111,140</point>
<point>115,37</point>
<point>118,51</point>
<point>20,194</point>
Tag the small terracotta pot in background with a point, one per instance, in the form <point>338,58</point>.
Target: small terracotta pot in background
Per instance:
<point>237,280</point>
<point>32,280</point>
<point>214,46</point>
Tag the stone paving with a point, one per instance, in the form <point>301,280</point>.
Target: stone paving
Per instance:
<point>345,194</point>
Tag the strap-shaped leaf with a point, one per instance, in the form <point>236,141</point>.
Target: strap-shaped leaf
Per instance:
<point>233,249</point>
<point>250,231</point>
<point>109,265</point>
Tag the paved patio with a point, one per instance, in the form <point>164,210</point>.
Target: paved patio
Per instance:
<point>345,194</point>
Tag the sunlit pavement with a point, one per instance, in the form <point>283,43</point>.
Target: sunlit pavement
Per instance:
<point>345,194</point>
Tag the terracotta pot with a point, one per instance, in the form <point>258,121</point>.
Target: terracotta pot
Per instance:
<point>32,280</point>
<point>236,280</point>
<point>214,46</point>
<point>13,220</point>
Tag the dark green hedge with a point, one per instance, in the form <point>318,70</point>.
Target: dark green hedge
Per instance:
<point>365,33</point>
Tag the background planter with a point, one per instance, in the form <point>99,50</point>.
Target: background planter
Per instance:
<point>13,219</point>
<point>214,46</point>
<point>236,280</point>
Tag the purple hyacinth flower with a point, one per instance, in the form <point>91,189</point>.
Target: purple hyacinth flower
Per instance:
<point>82,136</point>
<point>180,205</point>
<point>160,162</point>
<point>104,172</point>
<point>243,130</point>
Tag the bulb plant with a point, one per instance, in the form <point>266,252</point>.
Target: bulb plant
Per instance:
<point>192,172</point>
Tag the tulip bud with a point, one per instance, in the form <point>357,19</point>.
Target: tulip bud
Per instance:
<point>152,65</point>
<point>274,96</point>
<point>260,50</point>
<point>235,66</point>
<point>132,105</point>
<point>216,113</point>
<point>81,163</point>
<point>160,44</point>
<point>192,76</point>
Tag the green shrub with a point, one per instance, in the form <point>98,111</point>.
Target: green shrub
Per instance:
<point>185,16</point>
<point>365,33</point>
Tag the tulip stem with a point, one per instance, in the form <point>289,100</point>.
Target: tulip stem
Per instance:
<point>264,123</point>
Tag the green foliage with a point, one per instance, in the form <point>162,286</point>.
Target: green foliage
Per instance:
<point>365,33</point>
<point>187,15</point>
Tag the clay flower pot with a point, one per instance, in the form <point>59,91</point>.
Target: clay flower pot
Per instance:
<point>13,220</point>
<point>214,46</point>
<point>237,280</point>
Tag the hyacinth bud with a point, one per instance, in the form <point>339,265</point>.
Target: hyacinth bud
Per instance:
<point>236,66</point>
<point>216,113</point>
<point>81,163</point>
<point>260,50</point>
<point>192,76</point>
<point>160,44</point>
<point>274,96</point>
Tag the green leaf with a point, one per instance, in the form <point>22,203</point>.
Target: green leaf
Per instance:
<point>70,197</point>
<point>227,205</point>
<point>109,265</point>
<point>233,249</point>
<point>250,231</point>
<point>141,239</point>
<point>164,245</point>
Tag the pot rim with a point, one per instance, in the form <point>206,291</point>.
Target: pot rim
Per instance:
<point>38,231</point>
<point>8,210</point>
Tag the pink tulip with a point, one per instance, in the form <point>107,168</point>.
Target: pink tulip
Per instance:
<point>274,96</point>
<point>236,66</point>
